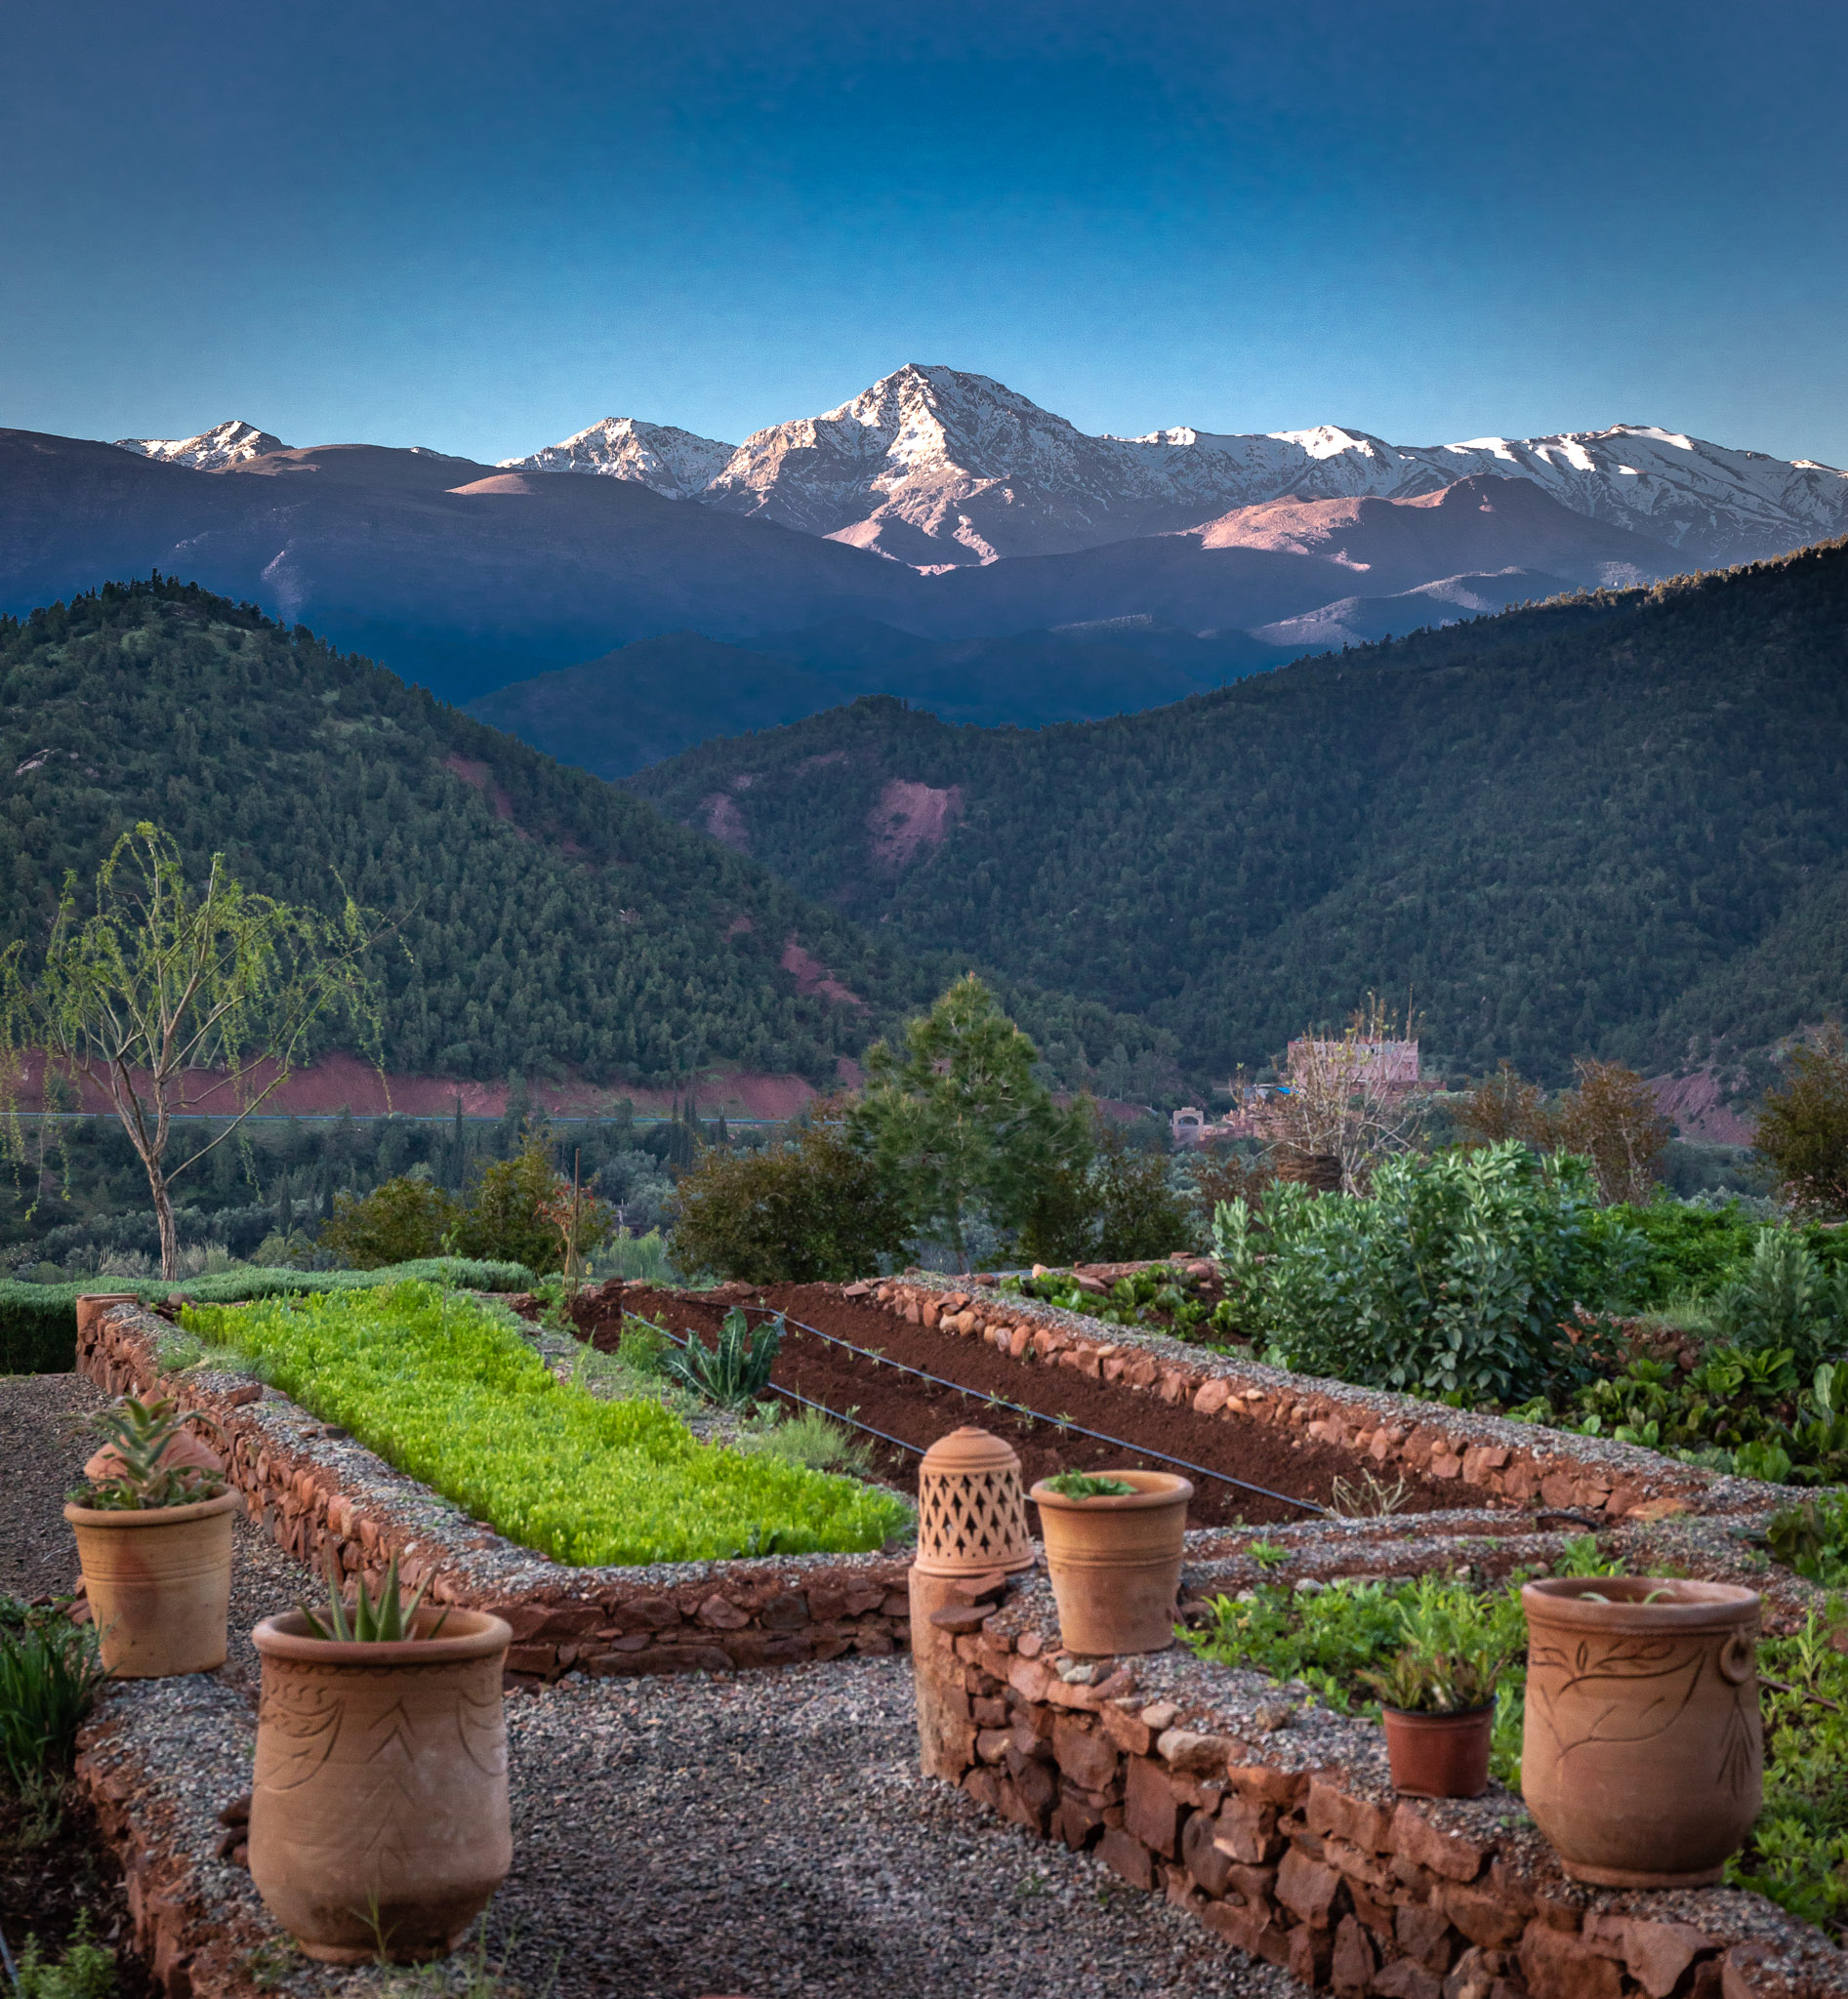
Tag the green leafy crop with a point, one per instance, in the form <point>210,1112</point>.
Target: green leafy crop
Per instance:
<point>446,1389</point>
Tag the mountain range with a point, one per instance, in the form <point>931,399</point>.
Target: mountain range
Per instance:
<point>933,466</point>
<point>637,589</point>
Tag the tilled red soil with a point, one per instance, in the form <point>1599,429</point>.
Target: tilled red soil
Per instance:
<point>919,1412</point>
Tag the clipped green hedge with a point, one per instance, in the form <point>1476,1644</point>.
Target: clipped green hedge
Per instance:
<point>38,1322</point>
<point>445,1387</point>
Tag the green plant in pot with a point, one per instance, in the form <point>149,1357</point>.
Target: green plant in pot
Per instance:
<point>1438,1695</point>
<point>154,1527</point>
<point>378,1812</point>
<point>1113,1550</point>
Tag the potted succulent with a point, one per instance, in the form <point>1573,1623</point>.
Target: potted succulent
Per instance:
<point>377,1814</point>
<point>1112,1549</point>
<point>1439,1711</point>
<point>153,1525</point>
<point>1642,1759</point>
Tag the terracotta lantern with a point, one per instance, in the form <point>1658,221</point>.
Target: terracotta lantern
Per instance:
<point>971,1507</point>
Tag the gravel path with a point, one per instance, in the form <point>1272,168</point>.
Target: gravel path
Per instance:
<point>764,1834</point>
<point>43,1446</point>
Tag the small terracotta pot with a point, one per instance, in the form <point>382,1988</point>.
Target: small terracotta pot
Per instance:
<point>1643,1758</point>
<point>1115,1563</point>
<point>378,1814</point>
<point>1439,1755</point>
<point>158,1583</point>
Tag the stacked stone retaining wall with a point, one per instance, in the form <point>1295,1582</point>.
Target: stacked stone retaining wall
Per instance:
<point>319,1494</point>
<point>1275,1823</point>
<point>1518,1465</point>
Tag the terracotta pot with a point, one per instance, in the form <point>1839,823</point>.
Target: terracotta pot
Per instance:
<point>1439,1755</point>
<point>1643,1759</point>
<point>378,1814</point>
<point>159,1584</point>
<point>1115,1563</point>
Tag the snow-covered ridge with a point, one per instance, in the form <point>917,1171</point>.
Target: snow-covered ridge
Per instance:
<point>672,461</point>
<point>938,467</point>
<point>229,443</point>
<point>933,466</point>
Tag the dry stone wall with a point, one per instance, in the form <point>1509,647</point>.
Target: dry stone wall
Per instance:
<point>1275,1823</point>
<point>317,1493</point>
<point>1519,1464</point>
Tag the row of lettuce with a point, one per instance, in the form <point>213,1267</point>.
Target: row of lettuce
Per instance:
<point>448,1387</point>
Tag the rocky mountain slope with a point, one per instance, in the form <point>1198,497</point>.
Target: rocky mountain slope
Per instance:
<point>1609,825</point>
<point>934,466</point>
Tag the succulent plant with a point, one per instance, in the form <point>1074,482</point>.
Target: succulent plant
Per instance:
<point>141,1434</point>
<point>383,1619</point>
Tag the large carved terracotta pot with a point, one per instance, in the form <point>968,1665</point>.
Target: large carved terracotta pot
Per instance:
<point>1643,1757</point>
<point>378,1815</point>
<point>1115,1562</point>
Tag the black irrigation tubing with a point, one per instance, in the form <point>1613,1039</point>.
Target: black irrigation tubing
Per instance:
<point>1037,1415</point>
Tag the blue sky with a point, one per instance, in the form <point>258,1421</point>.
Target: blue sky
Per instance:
<point>480,227</point>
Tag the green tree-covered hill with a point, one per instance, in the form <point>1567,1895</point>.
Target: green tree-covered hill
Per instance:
<point>1614,823</point>
<point>546,921</point>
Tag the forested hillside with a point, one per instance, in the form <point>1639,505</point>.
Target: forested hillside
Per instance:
<point>1615,823</point>
<point>544,920</point>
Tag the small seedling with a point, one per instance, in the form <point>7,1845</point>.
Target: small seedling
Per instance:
<point>1268,1555</point>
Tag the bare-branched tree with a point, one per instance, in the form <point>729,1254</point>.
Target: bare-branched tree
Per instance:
<point>1350,1104</point>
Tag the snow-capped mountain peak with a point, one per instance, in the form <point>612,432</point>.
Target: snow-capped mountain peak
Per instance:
<point>229,443</point>
<point>678,463</point>
<point>938,467</point>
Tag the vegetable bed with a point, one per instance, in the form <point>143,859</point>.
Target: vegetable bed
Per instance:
<point>445,1387</point>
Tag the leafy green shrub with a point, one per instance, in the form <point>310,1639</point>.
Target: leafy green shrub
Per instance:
<point>50,1672</point>
<point>404,1218</point>
<point>1161,1297</point>
<point>505,1217</point>
<point>1785,1299</point>
<point>1803,1129</point>
<point>816,1211</point>
<point>38,1322</point>
<point>447,1389</point>
<point>734,1373</point>
<point>1458,1275</point>
<point>808,1437</point>
<point>1797,1853</point>
<point>86,1971</point>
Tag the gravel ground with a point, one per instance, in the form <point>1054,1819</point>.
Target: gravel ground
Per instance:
<point>764,1834</point>
<point>43,1446</point>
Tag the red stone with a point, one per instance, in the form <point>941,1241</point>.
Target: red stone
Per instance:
<point>1351,1960</point>
<point>1208,1863</point>
<point>1149,1806</point>
<point>1310,1954</point>
<point>1485,1916</point>
<point>1087,1758</point>
<point>1405,1979</point>
<point>1125,1855</point>
<point>1415,1837</point>
<point>1308,1888</point>
<point>1424,1932</point>
<point>1361,1825</point>
<point>1558,1965</point>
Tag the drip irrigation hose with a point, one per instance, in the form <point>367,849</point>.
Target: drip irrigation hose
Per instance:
<point>1016,1409</point>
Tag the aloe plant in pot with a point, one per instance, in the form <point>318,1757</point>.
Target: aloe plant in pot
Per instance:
<point>378,1814</point>
<point>154,1527</point>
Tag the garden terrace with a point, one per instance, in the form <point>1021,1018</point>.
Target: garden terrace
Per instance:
<point>1293,1434</point>
<point>318,1491</point>
<point>1273,1819</point>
